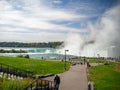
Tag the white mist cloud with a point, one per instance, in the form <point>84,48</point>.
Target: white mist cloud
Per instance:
<point>105,33</point>
<point>109,28</point>
<point>73,43</point>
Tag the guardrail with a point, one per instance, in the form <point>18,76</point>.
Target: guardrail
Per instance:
<point>39,84</point>
<point>15,71</point>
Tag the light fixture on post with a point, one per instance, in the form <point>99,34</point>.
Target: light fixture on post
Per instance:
<point>65,58</point>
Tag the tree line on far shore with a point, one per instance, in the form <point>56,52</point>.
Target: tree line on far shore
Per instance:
<point>37,45</point>
<point>12,51</point>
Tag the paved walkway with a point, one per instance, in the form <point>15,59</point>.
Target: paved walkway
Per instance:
<point>74,79</point>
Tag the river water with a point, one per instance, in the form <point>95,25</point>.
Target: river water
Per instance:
<point>38,53</point>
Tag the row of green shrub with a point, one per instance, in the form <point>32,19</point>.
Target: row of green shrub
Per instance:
<point>23,56</point>
<point>12,51</point>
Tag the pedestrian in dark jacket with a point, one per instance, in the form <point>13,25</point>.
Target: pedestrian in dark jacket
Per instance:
<point>56,82</point>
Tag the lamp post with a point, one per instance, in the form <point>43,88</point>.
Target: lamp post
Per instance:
<point>98,57</point>
<point>65,58</point>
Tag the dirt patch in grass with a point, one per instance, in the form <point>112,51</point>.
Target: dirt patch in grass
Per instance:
<point>117,67</point>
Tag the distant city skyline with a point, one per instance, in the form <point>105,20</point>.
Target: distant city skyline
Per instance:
<point>49,20</point>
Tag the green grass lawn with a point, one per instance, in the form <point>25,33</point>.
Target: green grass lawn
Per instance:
<point>105,77</point>
<point>17,84</point>
<point>39,67</point>
<point>36,66</point>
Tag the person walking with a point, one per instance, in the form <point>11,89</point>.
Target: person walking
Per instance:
<point>56,82</point>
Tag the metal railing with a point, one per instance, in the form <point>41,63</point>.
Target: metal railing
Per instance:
<point>15,71</point>
<point>39,84</point>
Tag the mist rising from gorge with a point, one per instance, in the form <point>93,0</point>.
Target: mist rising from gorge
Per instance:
<point>104,34</point>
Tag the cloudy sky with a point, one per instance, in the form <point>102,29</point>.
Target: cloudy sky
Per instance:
<point>49,20</point>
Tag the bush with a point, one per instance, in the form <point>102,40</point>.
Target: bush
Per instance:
<point>26,56</point>
<point>106,63</point>
<point>23,56</point>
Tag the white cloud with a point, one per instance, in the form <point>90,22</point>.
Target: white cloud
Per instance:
<point>5,5</point>
<point>57,1</point>
<point>32,37</point>
<point>33,15</point>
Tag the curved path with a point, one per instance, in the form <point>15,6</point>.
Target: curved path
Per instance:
<point>74,79</point>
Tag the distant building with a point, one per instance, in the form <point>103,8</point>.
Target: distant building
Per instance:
<point>112,51</point>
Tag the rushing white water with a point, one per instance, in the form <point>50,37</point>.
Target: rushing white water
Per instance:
<point>37,53</point>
